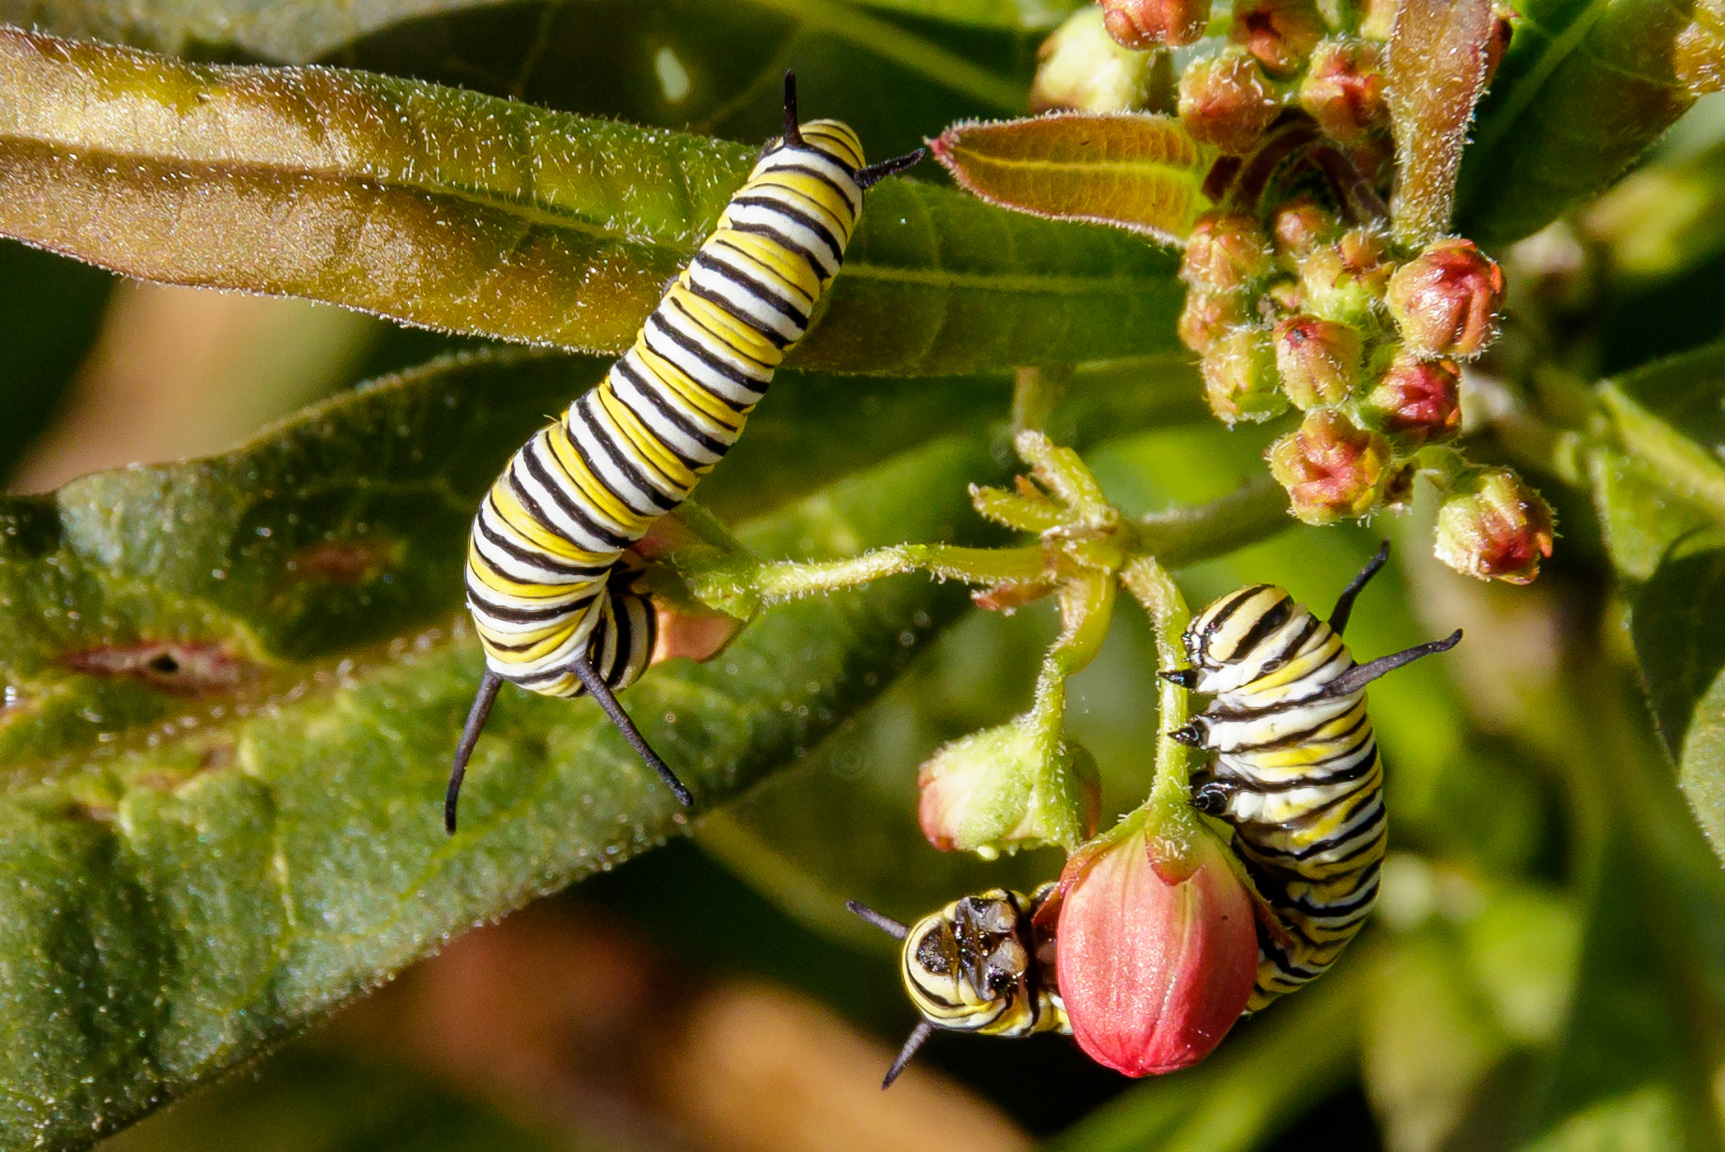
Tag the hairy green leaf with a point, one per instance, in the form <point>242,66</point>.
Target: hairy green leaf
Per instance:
<point>468,213</point>
<point>1679,633</point>
<point>1435,74</point>
<point>174,902</point>
<point>1585,87</point>
<point>1141,173</point>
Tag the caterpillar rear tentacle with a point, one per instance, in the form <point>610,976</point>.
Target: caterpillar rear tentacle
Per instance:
<point>549,586</point>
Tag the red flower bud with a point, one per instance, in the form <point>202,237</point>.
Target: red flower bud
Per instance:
<point>1226,252</point>
<point>1330,467</point>
<point>1280,33</point>
<point>1208,315</point>
<point>1227,101</point>
<point>1446,298</point>
<point>1240,377</point>
<point>1344,90</point>
<point>1416,401</point>
<point>1494,527</point>
<point>1319,360</point>
<point>1301,225</point>
<point>1156,957</point>
<point>1151,23</point>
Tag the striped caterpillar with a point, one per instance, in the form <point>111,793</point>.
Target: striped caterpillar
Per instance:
<point>553,596</point>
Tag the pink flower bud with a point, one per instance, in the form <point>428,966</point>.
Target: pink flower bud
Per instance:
<point>1156,957</point>
<point>1494,527</point>
<point>1152,23</point>
<point>1416,401</point>
<point>1344,90</point>
<point>1280,33</point>
<point>1226,252</point>
<point>1008,788</point>
<point>1240,377</point>
<point>1227,101</point>
<point>1318,360</point>
<point>1301,225</point>
<point>1208,315</point>
<point>1330,467</point>
<point>1446,298</point>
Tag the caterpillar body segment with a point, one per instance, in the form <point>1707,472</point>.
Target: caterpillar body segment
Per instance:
<point>552,596</point>
<point>1296,770</point>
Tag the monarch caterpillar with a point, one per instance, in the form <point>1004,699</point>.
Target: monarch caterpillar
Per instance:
<point>1297,771</point>
<point>555,611</point>
<point>981,964</point>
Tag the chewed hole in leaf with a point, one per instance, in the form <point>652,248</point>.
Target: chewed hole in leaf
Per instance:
<point>183,669</point>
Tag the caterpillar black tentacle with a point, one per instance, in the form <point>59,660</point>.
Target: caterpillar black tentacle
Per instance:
<point>1297,771</point>
<point>549,582</point>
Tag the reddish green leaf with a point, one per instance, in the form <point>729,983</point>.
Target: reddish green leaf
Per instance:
<point>1435,76</point>
<point>1142,173</point>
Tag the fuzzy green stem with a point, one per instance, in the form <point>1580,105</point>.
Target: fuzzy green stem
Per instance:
<point>1150,583</point>
<point>1035,393</point>
<point>1184,535</point>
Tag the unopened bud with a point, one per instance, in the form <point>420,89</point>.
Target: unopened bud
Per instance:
<point>1445,300</point>
<point>1227,101</point>
<point>1319,360</point>
<point>1331,467</point>
<point>1081,66</point>
<point>1008,788</point>
<point>1280,33</point>
<point>1345,281</point>
<point>1153,23</point>
<point>1156,958</point>
<point>1494,527</point>
<point>1344,90</point>
<point>1207,316</point>
<point>1301,225</point>
<point>1226,252</point>
<point>1240,379</point>
<point>1416,401</point>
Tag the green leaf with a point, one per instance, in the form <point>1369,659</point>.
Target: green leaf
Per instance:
<point>1434,76</point>
<point>244,834</point>
<point>1679,632</point>
<point>1138,172</point>
<point>449,209</point>
<point>1585,87</point>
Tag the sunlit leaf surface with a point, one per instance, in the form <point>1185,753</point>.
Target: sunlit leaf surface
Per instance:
<point>458,211</point>
<point>1141,173</point>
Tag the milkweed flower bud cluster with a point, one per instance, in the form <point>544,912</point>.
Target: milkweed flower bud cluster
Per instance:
<point>1299,300</point>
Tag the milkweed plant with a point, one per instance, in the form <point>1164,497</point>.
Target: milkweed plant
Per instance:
<point>995,679</point>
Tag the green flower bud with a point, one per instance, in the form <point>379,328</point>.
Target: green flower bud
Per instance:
<point>1345,281</point>
<point>1319,360</point>
<point>1008,788</point>
<point>1240,377</point>
<point>1301,225</point>
<point>1226,252</point>
<point>1207,316</point>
